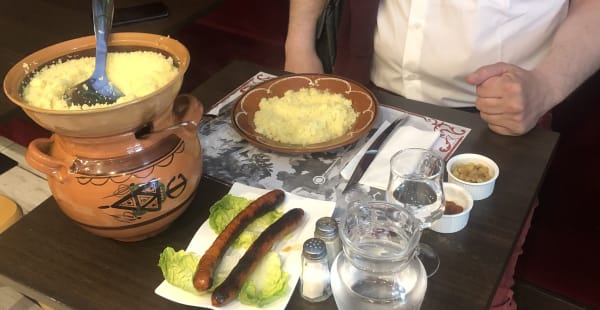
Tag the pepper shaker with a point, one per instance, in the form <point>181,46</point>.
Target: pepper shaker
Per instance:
<point>326,229</point>
<point>315,282</point>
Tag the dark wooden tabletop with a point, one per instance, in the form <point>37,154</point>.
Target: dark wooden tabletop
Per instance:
<point>30,25</point>
<point>47,257</point>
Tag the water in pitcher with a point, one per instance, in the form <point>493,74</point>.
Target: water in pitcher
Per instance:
<point>379,293</point>
<point>379,268</point>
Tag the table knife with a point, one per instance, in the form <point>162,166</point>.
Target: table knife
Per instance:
<point>371,152</point>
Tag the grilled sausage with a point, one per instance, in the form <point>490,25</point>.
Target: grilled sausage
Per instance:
<point>230,288</point>
<point>204,272</point>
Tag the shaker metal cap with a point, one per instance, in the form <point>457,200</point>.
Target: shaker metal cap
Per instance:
<point>326,227</point>
<point>314,248</point>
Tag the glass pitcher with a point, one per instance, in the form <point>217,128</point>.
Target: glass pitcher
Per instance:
<point>378,267</point>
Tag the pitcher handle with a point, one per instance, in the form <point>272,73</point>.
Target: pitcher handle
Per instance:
<point>38,157</point>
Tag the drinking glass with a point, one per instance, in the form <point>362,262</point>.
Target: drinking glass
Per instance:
<point>416,183</point>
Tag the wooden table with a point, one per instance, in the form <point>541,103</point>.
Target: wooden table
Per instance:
<point>29,25</point>
<point>49,258</point>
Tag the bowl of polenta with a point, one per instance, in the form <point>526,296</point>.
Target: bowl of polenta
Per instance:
<point>305,113</point>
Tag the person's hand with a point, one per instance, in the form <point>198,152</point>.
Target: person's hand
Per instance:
<point>302,60</point>
<point>510,99</point>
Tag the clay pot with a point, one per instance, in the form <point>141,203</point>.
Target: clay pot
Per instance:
<point>129,186</point>
<point>115,119</point>
<point>127,171</point>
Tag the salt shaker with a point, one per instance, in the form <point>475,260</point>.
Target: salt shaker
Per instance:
<point>326,229</point>
<point>315,282</point>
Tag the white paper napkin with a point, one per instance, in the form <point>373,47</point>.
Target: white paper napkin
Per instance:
<point>314,209</point>
<point>378,173</point>
<point>351,165</point>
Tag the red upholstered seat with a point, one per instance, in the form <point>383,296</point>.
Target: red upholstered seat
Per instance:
<point>560,249</point>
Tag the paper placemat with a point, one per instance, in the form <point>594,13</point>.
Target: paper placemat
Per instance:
<point>228,157</point>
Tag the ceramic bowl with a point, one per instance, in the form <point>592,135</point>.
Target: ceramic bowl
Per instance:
<point>450,223</point>
<point>363,102</point>
<point>106,121</point>
<point>478,190</point>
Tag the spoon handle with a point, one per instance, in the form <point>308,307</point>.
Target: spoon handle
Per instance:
<point>103,16</point>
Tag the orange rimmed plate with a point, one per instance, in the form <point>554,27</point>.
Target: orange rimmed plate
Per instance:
<point>363,102</point>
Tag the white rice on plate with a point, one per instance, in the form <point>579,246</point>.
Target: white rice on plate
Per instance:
<point>303,117</point>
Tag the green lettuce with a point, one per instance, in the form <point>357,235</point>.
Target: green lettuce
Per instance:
<point>267,283</point>
<point>224,210</point>
<point>178,268</point>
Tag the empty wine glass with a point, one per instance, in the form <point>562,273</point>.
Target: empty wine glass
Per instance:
<point>416,183</point>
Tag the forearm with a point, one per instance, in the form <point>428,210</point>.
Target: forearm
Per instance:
<point>302,23</point>
<point>575,51</point>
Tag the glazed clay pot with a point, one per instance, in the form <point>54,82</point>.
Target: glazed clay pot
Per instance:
<point>105,121</point>
<point>129,186</point>
<point>125,171</point>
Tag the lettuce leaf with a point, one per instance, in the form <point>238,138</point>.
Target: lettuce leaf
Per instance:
<point>224,210</point>
<point>178,268</point>
<point>267,283</point>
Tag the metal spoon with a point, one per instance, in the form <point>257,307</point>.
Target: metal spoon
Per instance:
<point>97,89</point>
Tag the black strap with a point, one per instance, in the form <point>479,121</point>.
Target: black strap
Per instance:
<point>327,26</point>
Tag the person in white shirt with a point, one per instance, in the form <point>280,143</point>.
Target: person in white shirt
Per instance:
<point>513,60</point>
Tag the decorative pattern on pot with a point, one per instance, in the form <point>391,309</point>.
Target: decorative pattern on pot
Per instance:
<point>112,197</point>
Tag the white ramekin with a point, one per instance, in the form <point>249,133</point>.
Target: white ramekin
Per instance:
<point>478,190</point>
<point>450,223</point>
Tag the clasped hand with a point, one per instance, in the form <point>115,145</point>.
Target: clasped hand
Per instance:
<point>510,99</point>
